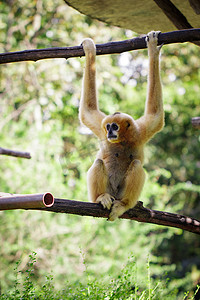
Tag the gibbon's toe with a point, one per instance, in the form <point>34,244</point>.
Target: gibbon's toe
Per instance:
<point>88,45</point>
<point>152,42</point>
<point>118,209</point>
<point>106,200</point>
<point>113,216</point>
<point>152,37</point>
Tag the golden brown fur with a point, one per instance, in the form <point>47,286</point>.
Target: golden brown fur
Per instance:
<point>116,178</point>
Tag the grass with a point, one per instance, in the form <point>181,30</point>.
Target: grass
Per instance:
<point>125,286</point>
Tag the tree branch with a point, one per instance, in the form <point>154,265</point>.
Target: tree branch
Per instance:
<point>46,202</point>
<point>180,36</point>
<point>138,213</point>
<point>196,122</point>
<point>9,152</point>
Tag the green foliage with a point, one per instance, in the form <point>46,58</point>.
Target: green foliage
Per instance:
<point>39,113</point>
<point>125,286</point>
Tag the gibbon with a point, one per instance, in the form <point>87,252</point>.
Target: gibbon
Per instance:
<point>116,178</point>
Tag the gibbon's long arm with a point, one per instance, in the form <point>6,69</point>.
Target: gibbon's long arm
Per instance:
<point>154,93</point>
<point>153,119</point>
<point>89,112</point>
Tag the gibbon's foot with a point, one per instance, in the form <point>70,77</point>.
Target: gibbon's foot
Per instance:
<point>106,200</point>
<point>152,41</point>
<point>117,210</point>
<point>88,46</point>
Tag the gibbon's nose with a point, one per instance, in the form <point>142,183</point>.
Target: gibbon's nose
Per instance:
<point>111,134</point>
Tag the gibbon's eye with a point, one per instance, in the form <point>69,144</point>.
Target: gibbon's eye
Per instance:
<point>107,127</point>
<point>128,124</point>
<point>114,126</point>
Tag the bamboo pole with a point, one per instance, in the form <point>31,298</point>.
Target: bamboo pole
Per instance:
<point>8,201</point>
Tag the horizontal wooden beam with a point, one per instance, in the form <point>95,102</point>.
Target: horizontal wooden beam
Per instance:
<point>179,36</point>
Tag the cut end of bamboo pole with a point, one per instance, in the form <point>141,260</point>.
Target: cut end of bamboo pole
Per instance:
<point>48,200</point>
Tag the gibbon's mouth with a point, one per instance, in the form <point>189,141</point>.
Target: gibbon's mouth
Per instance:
<point>112,138</point>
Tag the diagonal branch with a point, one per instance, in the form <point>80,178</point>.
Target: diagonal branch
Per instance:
<point>195,4</point>
<point>173,14</point>
<point>180,36</point>
<point>138,213</point>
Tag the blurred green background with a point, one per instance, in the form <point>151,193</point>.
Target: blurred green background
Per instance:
<point>39,114</point>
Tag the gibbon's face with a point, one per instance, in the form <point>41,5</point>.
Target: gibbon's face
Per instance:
<point>117,127</point>
<point>112,132</point>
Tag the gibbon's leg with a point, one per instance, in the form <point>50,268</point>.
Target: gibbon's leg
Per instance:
<point>97,184</point>
<point>134,182</point>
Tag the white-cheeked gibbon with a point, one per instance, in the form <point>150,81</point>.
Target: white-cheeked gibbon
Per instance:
<point>116,178</point>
